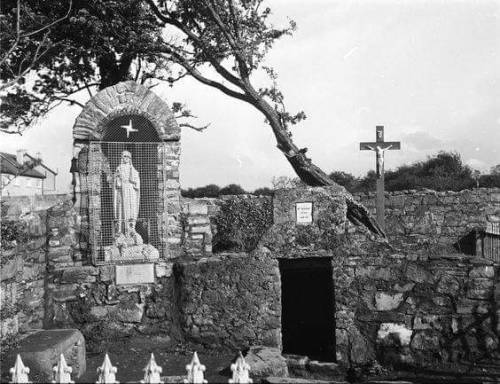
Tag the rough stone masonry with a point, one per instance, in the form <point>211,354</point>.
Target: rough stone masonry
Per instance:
<point>427,299</point>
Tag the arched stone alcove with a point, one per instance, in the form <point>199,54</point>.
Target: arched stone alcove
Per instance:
<point>127,98</point>
<point>128,117</point>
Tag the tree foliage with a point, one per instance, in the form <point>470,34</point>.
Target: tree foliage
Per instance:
<point>443,172</point>
<point>100,43</point>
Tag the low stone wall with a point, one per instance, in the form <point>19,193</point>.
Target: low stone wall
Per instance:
<point>406,308</point>
<point>17,205</point>
<point>445,216</point>
<point>22,274</point>
<point>230,300</point>
<point>414,302</point>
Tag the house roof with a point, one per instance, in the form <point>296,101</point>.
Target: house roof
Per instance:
<point>42,164</point>
<point>10,166</point>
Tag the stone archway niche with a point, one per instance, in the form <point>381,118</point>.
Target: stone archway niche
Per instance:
<point>100,137</point>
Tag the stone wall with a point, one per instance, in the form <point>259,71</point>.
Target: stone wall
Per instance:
<point>18,205</point>
<point>412,302</point>
<point>446,216</point>
<point>409,307</point>
<point>85,296</point>
<point>22,274</point>
<point>230,300</point>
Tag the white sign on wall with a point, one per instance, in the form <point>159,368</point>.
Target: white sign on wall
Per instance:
<point>135,274</point>
<point>304,212</point>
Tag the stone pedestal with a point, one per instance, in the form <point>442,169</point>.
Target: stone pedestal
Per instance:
<point>40,352</point>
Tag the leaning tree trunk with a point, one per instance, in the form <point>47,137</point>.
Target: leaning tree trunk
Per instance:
<point>308,172</point>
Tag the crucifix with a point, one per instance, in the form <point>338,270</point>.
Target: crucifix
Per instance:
<point>380,146</point>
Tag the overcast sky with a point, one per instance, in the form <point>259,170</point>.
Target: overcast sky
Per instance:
<point>429,71</point>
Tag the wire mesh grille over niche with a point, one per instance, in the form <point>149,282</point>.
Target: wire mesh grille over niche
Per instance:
<point>126,203</point>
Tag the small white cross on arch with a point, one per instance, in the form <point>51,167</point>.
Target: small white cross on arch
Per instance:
<point>129,128</point>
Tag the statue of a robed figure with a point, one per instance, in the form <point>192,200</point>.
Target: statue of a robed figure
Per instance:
<point>126,195</point>
<point>126,185</point>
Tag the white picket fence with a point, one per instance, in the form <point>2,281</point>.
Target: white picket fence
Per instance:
<point>107,372</point>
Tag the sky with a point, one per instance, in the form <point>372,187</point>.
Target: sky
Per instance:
<point>429,71</point>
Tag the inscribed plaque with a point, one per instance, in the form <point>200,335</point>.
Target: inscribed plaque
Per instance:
<point>304,212</point>
<point>135,274</point>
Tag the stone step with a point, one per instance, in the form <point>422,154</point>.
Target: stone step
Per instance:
<point>303,367</point>
<point>283,380</point>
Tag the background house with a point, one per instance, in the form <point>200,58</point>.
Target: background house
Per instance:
<point>25,175</point>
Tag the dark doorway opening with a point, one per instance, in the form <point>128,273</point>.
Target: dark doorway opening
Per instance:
<point>308,308</point>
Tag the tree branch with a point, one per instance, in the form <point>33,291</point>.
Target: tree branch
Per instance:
<point>199,42</point>
<point>198,129</point>
<point>51,24</point>
<point>198,76</point>
<point>235,47</point>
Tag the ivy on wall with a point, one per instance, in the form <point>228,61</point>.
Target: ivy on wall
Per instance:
<point>241,223</point>
<point>13,233</point>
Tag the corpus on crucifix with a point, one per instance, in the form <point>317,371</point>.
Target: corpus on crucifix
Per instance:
<point>379,147</point>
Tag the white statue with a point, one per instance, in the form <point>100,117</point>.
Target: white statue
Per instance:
<point>126,195</point>
<point>379,151</point>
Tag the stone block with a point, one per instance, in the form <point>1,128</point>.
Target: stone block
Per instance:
<point>404,288</point>
<point>426,341</point>
<point>448,284</point>
<point>130,313</point>
<point>107,273</point>
<point>172,184</point>
<point>480,288</point>
<point>8,294</point>
<point>9,326</point>
<point>41,350</point>
<point>102,312</point>
<point>82,274</point>
<point>164,269</point>
<point>198,220</point>
<point>486,271</point>
<point>386,302</point>
<point>418,274</point>
<point>393,334</point>
<point>198,209</point>
<point>266,361</point>
<point>201,229</point>
<point>469,306</point>
<point>9,269</point>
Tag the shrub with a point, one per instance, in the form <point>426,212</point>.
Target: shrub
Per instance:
<point>241,222</point>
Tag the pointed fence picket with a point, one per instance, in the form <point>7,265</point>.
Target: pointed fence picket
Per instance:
<point>19,373</point>
<point>152,372</point>
<point>62,372</point>
<point>195,371</point>
<point>241,371</point>
<point>107,373</point>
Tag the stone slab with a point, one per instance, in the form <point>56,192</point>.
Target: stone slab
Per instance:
<point>135,274</point>
<point>266,361</point>
<point>283,380</point>
<point>41,350</point>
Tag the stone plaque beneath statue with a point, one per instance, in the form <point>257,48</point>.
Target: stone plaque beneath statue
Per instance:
<point>304,212</point>
<point>135,274</point>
